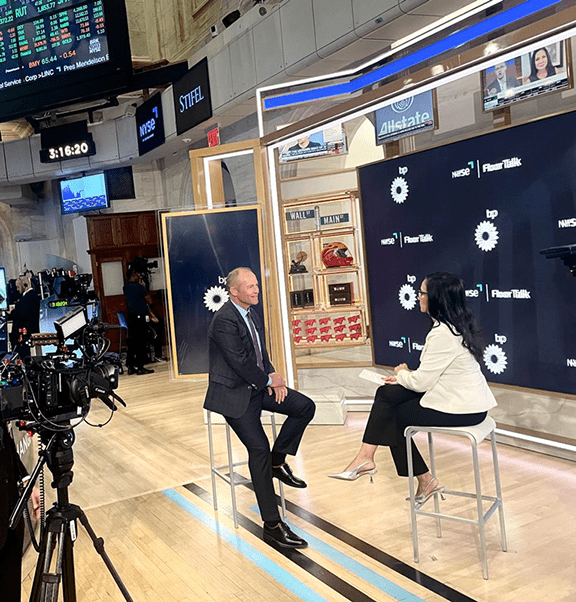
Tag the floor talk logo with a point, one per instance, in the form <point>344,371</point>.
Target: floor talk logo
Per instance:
<point>399,187</point>
<point>486,233</point>
<point>407,294</point>
<point>495,357</point>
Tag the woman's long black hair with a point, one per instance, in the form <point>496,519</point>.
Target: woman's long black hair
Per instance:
<point>447,304</point>
<point>550,69</point>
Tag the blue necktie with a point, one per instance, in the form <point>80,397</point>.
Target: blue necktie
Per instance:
<point>259,360</point>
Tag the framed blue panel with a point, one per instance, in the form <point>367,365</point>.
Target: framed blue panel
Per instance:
<point>200,249</point>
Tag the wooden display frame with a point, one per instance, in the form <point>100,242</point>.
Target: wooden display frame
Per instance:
<point>331,321</point>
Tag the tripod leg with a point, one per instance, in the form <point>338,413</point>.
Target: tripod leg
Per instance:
<point>67,564</point>
<point>46,584</point>
<point>99,545</point>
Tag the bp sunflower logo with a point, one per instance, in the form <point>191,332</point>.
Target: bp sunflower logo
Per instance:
<point>215,297</point>
<point>407,296</point>
<point>486,236</point>
<point>399,190</point>
<point>495,359</point>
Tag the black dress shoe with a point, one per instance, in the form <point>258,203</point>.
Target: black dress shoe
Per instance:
<point>131,370</point>
<point>144,371</point>
<point>283,536</point>
<point>284,473</point>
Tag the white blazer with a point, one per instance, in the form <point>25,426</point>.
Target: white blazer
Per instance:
<point>449,375</point>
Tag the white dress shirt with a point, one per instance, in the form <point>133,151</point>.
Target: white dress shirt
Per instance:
<point>449,375</point>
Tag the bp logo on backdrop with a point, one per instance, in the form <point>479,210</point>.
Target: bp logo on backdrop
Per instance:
<point>215,297</point>
<point>495,357</point>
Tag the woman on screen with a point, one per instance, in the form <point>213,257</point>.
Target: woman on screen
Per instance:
<point>541,65</point>
<point>448,388</point>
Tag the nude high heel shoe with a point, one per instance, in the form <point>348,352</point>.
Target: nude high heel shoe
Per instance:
<point>430,489</point>
<point>355,473</point>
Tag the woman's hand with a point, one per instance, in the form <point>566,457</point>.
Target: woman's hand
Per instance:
<point>401,367</point>
<point>391,380</point>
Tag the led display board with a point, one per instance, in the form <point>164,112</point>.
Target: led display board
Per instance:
<point>192,103</point>
<point>150,125</point>
<point>55,45</point>
<point>483,209</point>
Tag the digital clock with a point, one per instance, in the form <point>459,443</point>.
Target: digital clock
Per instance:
<point>69,141</point>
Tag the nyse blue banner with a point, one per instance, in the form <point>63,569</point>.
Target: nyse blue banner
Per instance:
<point>200,250</point>
<point>406,117</point>
<point>482,209</point>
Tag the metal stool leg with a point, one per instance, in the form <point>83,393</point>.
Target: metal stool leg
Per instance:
<point>280,484</point>
<point>481,526</point>
<point>232,478</point>
<point>413,519</point>
<point>212,464</point>
<point>433,472</point>
<point>503,541</point>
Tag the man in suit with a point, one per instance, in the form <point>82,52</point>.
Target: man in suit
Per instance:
<point>502,81</point>
<point>243,383</point>
<point>25,316</point>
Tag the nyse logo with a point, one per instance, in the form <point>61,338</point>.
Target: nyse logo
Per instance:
<point>567,223</point>
<point>571,363</point>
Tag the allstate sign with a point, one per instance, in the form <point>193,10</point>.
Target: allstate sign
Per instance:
<point>405,118</point>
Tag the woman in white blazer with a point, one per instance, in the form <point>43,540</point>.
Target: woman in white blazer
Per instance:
<point>448,388</point>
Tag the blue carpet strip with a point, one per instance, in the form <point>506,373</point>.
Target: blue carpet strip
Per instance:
<point>365,548</point>
<point>266,564</point>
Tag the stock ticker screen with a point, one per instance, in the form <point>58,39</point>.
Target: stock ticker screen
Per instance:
<point>40,39</point>
<point>482,209</point>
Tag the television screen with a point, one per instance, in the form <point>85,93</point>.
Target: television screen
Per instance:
<point>528,75</point>
<point>407,117</point>
<point>483,209</point>
<point>84,194</point>
<point>331,141</point>
<point>3,291</point>
<point>53,46</point>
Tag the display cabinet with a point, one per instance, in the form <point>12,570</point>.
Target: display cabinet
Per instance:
<point>323,265</point>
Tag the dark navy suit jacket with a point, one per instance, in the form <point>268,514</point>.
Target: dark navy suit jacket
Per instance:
<point>234,373</point>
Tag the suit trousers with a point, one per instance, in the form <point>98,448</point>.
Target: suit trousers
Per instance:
<point>137,354</point>
<point>395,408</point>
<point>299,410</point>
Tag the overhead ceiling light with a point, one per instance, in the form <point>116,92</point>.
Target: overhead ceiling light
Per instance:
<point>186,140</point>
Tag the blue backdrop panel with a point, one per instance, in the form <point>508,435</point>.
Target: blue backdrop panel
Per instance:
<point>482,209</point>
<point>201,248</point>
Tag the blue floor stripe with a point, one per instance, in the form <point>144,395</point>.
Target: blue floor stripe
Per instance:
<point>250,552</point>
<point>357,568</point>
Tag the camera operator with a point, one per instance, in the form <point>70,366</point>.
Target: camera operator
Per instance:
<point>139,315</point>
<point>25,316</point>
<point>12,472</point>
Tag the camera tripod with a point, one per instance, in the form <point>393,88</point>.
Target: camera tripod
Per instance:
<point>56,556</point>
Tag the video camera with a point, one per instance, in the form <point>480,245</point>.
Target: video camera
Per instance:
<point>47,392</point>
<point>66,285</point>
<point>567,253</point>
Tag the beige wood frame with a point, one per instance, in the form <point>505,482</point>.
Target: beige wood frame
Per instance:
<point>268,249</point>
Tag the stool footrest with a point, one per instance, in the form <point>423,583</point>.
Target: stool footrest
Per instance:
<point>226,477</point>
<point>486,498</point>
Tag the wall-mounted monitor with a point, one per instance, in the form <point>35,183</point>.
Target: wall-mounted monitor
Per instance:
<point>546,69</point>
<point>150,124</point>
<point>87,193</point>
<point>483,209</point>
<point>407,117</point>
<point>3,291</point>
<point>330,141</point>
<point>55,52</point>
